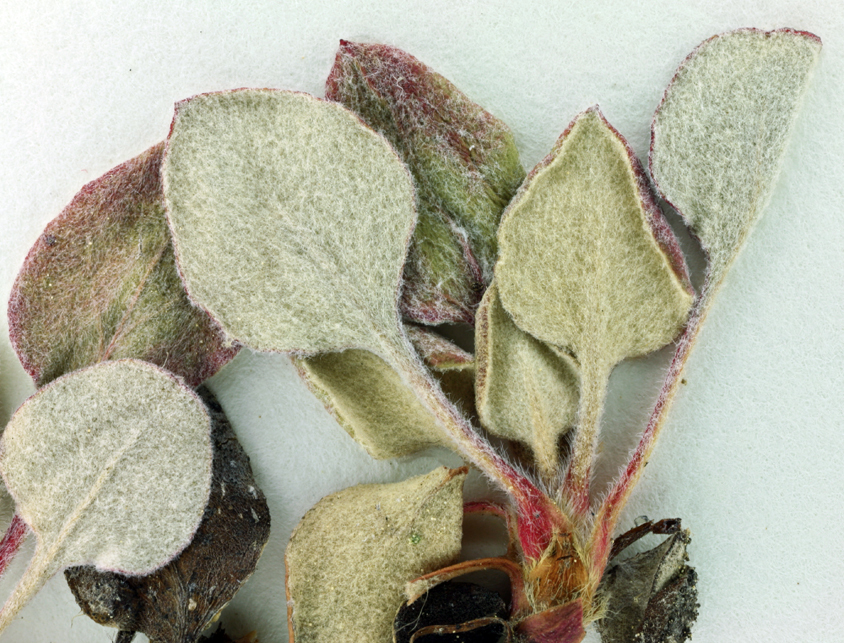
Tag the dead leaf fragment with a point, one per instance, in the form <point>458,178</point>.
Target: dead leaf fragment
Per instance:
<point>178,602</point>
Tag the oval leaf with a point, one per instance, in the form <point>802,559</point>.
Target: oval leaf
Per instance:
<point>290,220</point>
<point>110,466</point>
<point>465,166</point>
<point>526,390</point>
<point>581,264</point>
<point>349,558</point>
<point>177,602</point>
<point>101,283</point>
<point>720,132</point>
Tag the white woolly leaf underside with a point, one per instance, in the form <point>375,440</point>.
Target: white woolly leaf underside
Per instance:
<point>579,266</point>
<point>720,133</point>
<point>290,218</point>
<point>352,553</point>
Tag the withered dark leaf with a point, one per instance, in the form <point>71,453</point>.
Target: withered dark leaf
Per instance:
<point>652,596</point>
<point>452,612</point>
<point>176,603</point>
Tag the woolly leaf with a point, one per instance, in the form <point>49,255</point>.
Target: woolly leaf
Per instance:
<point>465,166</point>
<point>720,132</point>
<point>351,555</point>
<point>588,263</point>
<point>526,389</point>
<point>177,602</point>
<point>290,220</point>
<point>109,466</point>
<point>101,283</point>
<point>371,402</point>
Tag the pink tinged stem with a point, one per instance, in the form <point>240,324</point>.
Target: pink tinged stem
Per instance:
<point>607,518</point>
<point>562,624</point>
<point>12,541</point>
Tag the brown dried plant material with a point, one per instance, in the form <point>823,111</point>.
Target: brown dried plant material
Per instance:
<point>349,558</point>
<point>465,167</point>
<point>527,390</point>
<point>110,466</point>
<point>588,263</point>
<point>652,596</point>
<point>177,602</point>
<point>101,283</point>
<point>372,403</point>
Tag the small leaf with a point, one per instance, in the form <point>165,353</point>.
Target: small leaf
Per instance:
<point>101,283</point>
<point>261,187</point>
<point>349,558</point>
<point>465,166</point>
<point>177,602</point>
<point>109,466</point>
<point>651,596</point>
<point>526,389</point>
<point>450,365</point>
<point>719,134</point>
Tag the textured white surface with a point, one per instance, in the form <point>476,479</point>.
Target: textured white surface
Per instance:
<point>751,458</point>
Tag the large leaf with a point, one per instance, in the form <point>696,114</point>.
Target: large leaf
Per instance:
<point>349,558</point>
<point>109,466</point>
<point>177,602</point>
<point>526,389</point>
<point>369,399</point>
<point>101,283</point>
<point>465,166</point>
<point>721,129</point>
<point>290,220</point>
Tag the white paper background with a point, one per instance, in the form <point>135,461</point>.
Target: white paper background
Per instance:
<point>751,458</point>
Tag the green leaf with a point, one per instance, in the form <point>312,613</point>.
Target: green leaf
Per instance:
<point>527,390</point>
<point>290,220</point>
<point>178,601</point>
<point>109,466</point>
<point>349,558</point>
<point>101,283</point>
<point>720,132</point>
<point>465,167</point>
<point>372,403</point>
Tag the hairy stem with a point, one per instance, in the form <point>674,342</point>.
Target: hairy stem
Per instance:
<point>12,541</point>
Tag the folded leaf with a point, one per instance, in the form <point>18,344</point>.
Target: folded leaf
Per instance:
<point>109,466</point>
<point>720,132</point>
<point>351,555</point>
<point>260,193</point>
<point>588,263</point>
<point>465,166</point>
<point>526,389</point>
<point>177,602</point>
<point>101,283</point>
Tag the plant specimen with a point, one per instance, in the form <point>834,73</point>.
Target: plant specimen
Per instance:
<point>344,231</point>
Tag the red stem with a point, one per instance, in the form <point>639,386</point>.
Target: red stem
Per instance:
<point>12,541</point>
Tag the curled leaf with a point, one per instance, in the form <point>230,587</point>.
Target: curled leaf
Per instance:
<point>465,166</point>
<point>351,555</point>
<point>719,134</point>
<point>261,187</point>
<point>109,466</point>
<point>178,601</point>
<point>526,389</point>
<point>101,283</point>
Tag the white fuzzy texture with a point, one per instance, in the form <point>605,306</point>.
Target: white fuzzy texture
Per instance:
<point>110,466</point>
<point>721,130</point>
<point>290,218</point>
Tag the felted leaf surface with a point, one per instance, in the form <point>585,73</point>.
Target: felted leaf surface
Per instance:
<point>651,596</point>
<point>101,283</point>
<point>585,257</point>
<point>720,132</point>
<point>370,401</point>
<point>177,602</point>
<point>465,166</point>
<point>110,466</point>
<point>349,558</point>
<point>526,390</point>
<point>290,220</point>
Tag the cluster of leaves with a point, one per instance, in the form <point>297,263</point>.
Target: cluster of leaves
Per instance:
<point>342,232</point>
